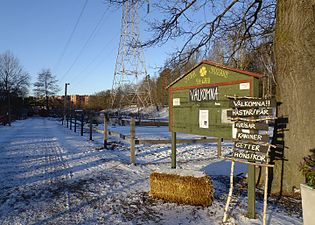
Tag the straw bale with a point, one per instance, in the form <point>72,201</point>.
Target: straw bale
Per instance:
<point>182,189</point>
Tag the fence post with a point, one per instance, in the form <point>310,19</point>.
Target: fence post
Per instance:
<point>173,150</point>
<point>82,123</point>
<point>67,121</point>
<point>105,131</point>
<point>70,121</point>
<point>132,141</point>
<point>75,122</point>
<point>219,147</point>
<point>91,126</point>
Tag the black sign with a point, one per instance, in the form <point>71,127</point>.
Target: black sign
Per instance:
<point>252,137</point>
<point>253,103</point>
<point>251,125</point>
<point>203,94</point>
<point>250,156</point>
<point>249,112</point>
<point>251,147</point>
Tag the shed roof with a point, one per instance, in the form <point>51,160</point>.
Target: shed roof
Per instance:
<point>219,66</point>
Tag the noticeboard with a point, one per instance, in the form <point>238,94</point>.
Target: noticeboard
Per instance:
<point>198,103</point>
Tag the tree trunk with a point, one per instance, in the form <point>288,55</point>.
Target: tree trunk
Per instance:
<point>295,74</point>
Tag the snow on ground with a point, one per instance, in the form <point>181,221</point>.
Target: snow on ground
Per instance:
<point>51,175</point>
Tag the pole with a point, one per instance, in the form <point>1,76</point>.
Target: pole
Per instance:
<point>251,192</point>
<point>219,147</point>
<point>9,107</point>
<point>82,123</point>
<point>173,150</point>
<point>226,209</point>
<point>65,102</point>
<point>105,131</point>
<point>132,141</point>
<point>70,121</point>
<point>265,197</point>
<point>91,127</point>
<point>75,122</point>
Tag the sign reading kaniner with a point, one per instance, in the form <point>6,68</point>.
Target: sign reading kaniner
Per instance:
<point>203,94</point>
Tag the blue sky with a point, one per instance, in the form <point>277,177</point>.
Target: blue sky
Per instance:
<point>36,32</point>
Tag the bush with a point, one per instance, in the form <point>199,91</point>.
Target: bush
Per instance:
<point>308,169</point>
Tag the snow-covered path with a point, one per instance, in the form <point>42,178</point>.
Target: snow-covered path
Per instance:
<point>50,175</point>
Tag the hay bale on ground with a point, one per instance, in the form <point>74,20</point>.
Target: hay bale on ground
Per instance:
<point>182,187</point>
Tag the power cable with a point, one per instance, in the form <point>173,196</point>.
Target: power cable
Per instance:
<point>71,35</point>
<point>95,58</point>
<point>92,35</point>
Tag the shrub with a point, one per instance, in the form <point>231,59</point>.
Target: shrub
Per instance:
<point>308,169</point>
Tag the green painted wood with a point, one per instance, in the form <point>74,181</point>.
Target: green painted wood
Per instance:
<point>184,114</point>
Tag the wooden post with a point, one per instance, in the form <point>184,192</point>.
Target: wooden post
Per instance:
<point>265,196</point>
<point>219,147</point>
<point>67,121</point>
<point>75,122</point>
<point>251,189</point>
<point>132,141</point>
<point>251,192</point>
<point>70,121</point>
<point>226,209</point>
<point>82,123</point>
<point>173,150</point>
<point>91,126</point>
<point>105,131</point>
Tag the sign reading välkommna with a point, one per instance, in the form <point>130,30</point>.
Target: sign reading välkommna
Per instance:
<point>203,94</point>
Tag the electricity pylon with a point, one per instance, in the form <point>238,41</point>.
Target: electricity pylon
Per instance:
<point>131,84</point>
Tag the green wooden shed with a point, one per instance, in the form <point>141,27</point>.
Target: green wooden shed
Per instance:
<point>197,99</point>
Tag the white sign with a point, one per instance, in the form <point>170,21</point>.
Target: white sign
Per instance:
<point>203,118</point>
<point>176,101</point>
<point>244,86</point>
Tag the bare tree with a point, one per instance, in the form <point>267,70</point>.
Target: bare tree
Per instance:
<point>46,86</point>
<point>13,79</point>
<point>199,24</point>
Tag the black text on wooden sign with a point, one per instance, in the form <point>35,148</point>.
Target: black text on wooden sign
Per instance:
<point>251,125</point>
<point>251,147</point>
<point>252,137</point>
<point>249,112</point>
<point>203,94</point>
<point>250,156</point>
<point>253,103</point>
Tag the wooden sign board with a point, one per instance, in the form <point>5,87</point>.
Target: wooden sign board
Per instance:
<point>252,137</point>
<point>251,125</point>
<point>250,156</point>
<point>252,112</point>
<point>253,103</point>
<point>205,87</point>
<point>254,147</point>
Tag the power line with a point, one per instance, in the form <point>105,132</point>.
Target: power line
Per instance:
<point>71,35</point>
<point>96,57</point>
<point>92,35</point>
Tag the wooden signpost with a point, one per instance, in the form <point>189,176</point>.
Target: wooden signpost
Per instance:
<point>250,116</point>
